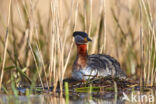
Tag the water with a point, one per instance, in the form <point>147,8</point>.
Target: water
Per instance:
<point>127,97</point>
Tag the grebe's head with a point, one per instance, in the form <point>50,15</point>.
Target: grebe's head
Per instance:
<point>81,37</point>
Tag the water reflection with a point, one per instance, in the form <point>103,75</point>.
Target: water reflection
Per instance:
<point>81,98</point>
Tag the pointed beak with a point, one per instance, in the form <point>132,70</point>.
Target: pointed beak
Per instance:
<point>89,39</point>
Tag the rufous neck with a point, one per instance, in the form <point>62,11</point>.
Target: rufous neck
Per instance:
<point>82,49</point>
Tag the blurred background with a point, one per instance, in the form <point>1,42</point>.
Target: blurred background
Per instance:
<point>40,47</point>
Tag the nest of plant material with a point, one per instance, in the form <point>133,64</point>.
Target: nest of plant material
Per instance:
<point>98,84</point>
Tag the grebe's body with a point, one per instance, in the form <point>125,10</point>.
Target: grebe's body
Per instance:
<point>89,66</point>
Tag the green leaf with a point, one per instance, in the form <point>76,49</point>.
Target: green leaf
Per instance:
<point>23,74</point>
<point>87,89</point>
<point>9,68</point>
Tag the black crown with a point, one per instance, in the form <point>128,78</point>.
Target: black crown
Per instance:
<point>83,34</point>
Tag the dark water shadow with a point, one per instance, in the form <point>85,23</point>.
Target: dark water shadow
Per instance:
<point>46,97</point>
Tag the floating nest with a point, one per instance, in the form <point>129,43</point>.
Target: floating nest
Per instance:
<point>101,84</point>
<point>95,85</point>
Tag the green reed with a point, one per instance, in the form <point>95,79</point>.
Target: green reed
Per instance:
<point>41,51</point>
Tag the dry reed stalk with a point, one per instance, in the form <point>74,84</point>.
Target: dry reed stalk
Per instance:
<point>28,60</point>
<point>69,23</point>
<point>85,15</point>
<point>52,46</point>
<point>90,22</point>
<point>152,69</point>
<point>141,47</point>
<point>41,57</point>
<point>147,13</point>
<point>148,68</point>
<point>95,41</point>
<point>37,67</point>
<point>6,44</point>
<point>103,32</point>
<point>70,50</point>
<point>19,13</point>
<point>149,72</point>
<point>54,68</point>
<point>104,29</point>
<point>32,28</point>
<point>60,50</point>
<point>24,44</point>
<point>57,45</point>
<point>52,63</point>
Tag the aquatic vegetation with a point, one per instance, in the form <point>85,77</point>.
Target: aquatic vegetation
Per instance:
<point>37,48</point>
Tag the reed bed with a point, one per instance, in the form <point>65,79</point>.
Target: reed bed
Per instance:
<point>37,48</point>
